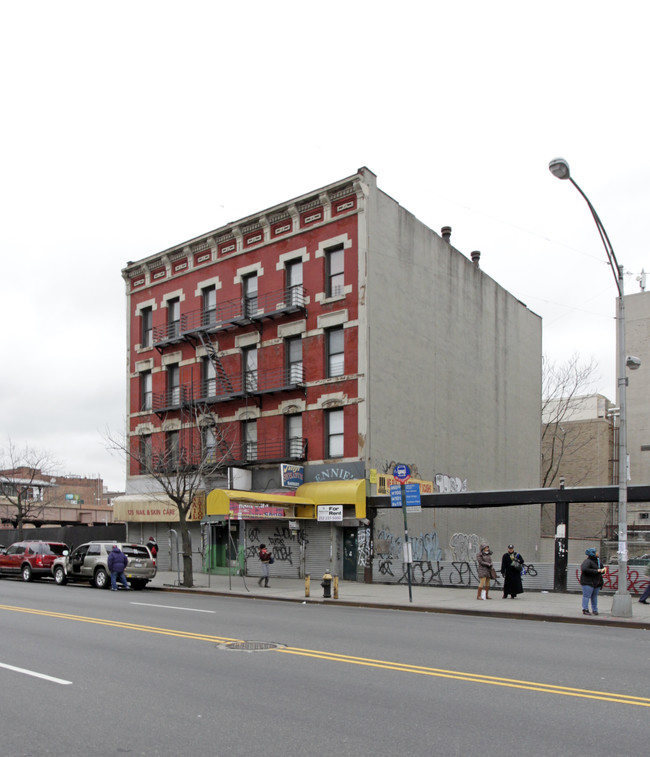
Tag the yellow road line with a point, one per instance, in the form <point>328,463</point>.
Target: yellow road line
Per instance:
<point>458,675</point>
<point>475,678</point>
<point>120,624</point>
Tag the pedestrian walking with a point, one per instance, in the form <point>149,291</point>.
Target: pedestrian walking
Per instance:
<point>591,579</point>
<point>153,547</point>
<point>512,565</point>
<point>265,559</point>
<point>485,571</point>
<point>646,594</point>
<point>117,562</point>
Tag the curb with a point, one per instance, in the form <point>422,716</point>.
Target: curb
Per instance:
<point>580,620</point>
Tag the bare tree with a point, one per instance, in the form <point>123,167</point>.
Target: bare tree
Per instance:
<point>180,463</point>
<point>563,387</point>
<point>22,488</point>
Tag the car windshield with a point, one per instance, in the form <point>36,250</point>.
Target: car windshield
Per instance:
<point>136,550</point>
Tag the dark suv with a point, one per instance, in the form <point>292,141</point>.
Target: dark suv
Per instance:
<point>30,559</point>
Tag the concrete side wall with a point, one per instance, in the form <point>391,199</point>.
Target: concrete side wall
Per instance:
<point>454,361</point>
<point>454,535</point>
<point>637,339</point>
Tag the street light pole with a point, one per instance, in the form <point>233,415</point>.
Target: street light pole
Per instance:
<point>622,602</point>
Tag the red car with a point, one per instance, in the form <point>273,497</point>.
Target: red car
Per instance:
<point>30,559</point>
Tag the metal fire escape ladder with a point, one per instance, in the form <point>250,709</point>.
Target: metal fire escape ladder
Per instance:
<point>222,376</point>
<point>222,444</point>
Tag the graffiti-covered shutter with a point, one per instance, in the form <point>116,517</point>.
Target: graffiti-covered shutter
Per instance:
<point>281,542</point>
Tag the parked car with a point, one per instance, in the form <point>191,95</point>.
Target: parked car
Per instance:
<point>30,559</point>
<point>89,562</point>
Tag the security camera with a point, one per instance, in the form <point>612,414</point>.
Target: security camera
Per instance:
<point>632,362</point>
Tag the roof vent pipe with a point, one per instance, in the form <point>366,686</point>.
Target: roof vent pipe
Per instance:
<point>446,233</point>
<point>476,256</point>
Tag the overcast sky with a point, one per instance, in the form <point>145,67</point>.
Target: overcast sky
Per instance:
<point>129,127</point>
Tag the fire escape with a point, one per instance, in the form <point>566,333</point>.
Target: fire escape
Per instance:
<point>197,400</point>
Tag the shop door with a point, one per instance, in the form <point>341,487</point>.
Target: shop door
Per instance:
<point>223,547</point>
<point>349,554</point>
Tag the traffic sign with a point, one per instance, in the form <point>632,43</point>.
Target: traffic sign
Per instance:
<point>402,472</point>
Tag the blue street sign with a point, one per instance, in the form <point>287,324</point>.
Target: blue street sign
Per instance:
<point>411,495</point>
<point>412,492</point>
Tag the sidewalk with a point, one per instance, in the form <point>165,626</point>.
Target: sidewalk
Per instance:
<point>551,607</point>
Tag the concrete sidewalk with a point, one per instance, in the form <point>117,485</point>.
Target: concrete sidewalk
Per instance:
<point>546,606</point>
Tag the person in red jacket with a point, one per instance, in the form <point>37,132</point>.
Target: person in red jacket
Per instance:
<point>265,559</point>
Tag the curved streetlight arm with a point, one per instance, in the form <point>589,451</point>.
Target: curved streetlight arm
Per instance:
<point>611,257</point>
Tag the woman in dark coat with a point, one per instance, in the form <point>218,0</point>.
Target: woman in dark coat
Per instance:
<point>591,578</point>
<point>512,564</point>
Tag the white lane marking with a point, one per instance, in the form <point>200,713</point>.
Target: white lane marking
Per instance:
<point>36,675</point>
<point>171,607</point>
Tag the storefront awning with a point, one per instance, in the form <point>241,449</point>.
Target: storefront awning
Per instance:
<point>348,492</point>
<point>303,504</point>
<point>143,508</point>
<point>139,508</point>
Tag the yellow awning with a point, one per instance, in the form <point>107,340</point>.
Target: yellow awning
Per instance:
<point>340,492</point>
<point>302,505</point>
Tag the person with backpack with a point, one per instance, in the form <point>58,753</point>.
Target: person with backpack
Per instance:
<point>266,559</point>
<point>153,547</point>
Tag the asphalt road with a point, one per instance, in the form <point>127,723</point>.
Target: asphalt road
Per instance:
<point>88,672</point>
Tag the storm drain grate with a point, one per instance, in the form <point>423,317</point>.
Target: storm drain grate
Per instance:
<point>252,646</point>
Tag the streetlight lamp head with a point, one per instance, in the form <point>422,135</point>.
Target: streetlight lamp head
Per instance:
<point>559,168</point>
<point>632,362</point>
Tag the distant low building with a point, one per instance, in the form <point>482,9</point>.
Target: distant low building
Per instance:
<point>54,500</point>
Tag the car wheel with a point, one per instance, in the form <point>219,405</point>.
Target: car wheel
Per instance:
<point>26,572</point>
<point>101,579</point>
<point>59,576</point>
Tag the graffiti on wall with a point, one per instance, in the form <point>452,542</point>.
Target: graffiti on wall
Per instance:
<point>449,484</point>
<point>363,547</point>
<point>464,547</point>
<point>426,567</point>
<point>284,543</point>
<point>636,583</point>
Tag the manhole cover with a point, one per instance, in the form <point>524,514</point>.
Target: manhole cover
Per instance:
<point>251,646</point>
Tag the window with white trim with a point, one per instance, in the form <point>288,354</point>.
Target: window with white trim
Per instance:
<point>334,259</point>
<point>334,433</point>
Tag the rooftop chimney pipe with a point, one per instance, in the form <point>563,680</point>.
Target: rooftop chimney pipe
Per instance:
<point>476,256</point>
<point>446,233</point>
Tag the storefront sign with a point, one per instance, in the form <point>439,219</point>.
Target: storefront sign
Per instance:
<point>330,512</point>
<point>245,511</point>
<point>292,475</point>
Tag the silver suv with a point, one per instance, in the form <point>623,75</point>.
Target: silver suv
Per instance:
<point>89,562</point>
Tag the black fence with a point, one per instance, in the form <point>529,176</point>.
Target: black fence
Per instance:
<point>70,535</point>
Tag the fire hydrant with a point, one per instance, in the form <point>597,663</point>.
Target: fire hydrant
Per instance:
<point>326,583</point>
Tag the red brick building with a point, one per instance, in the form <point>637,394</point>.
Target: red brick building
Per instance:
<point>324,334</point>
